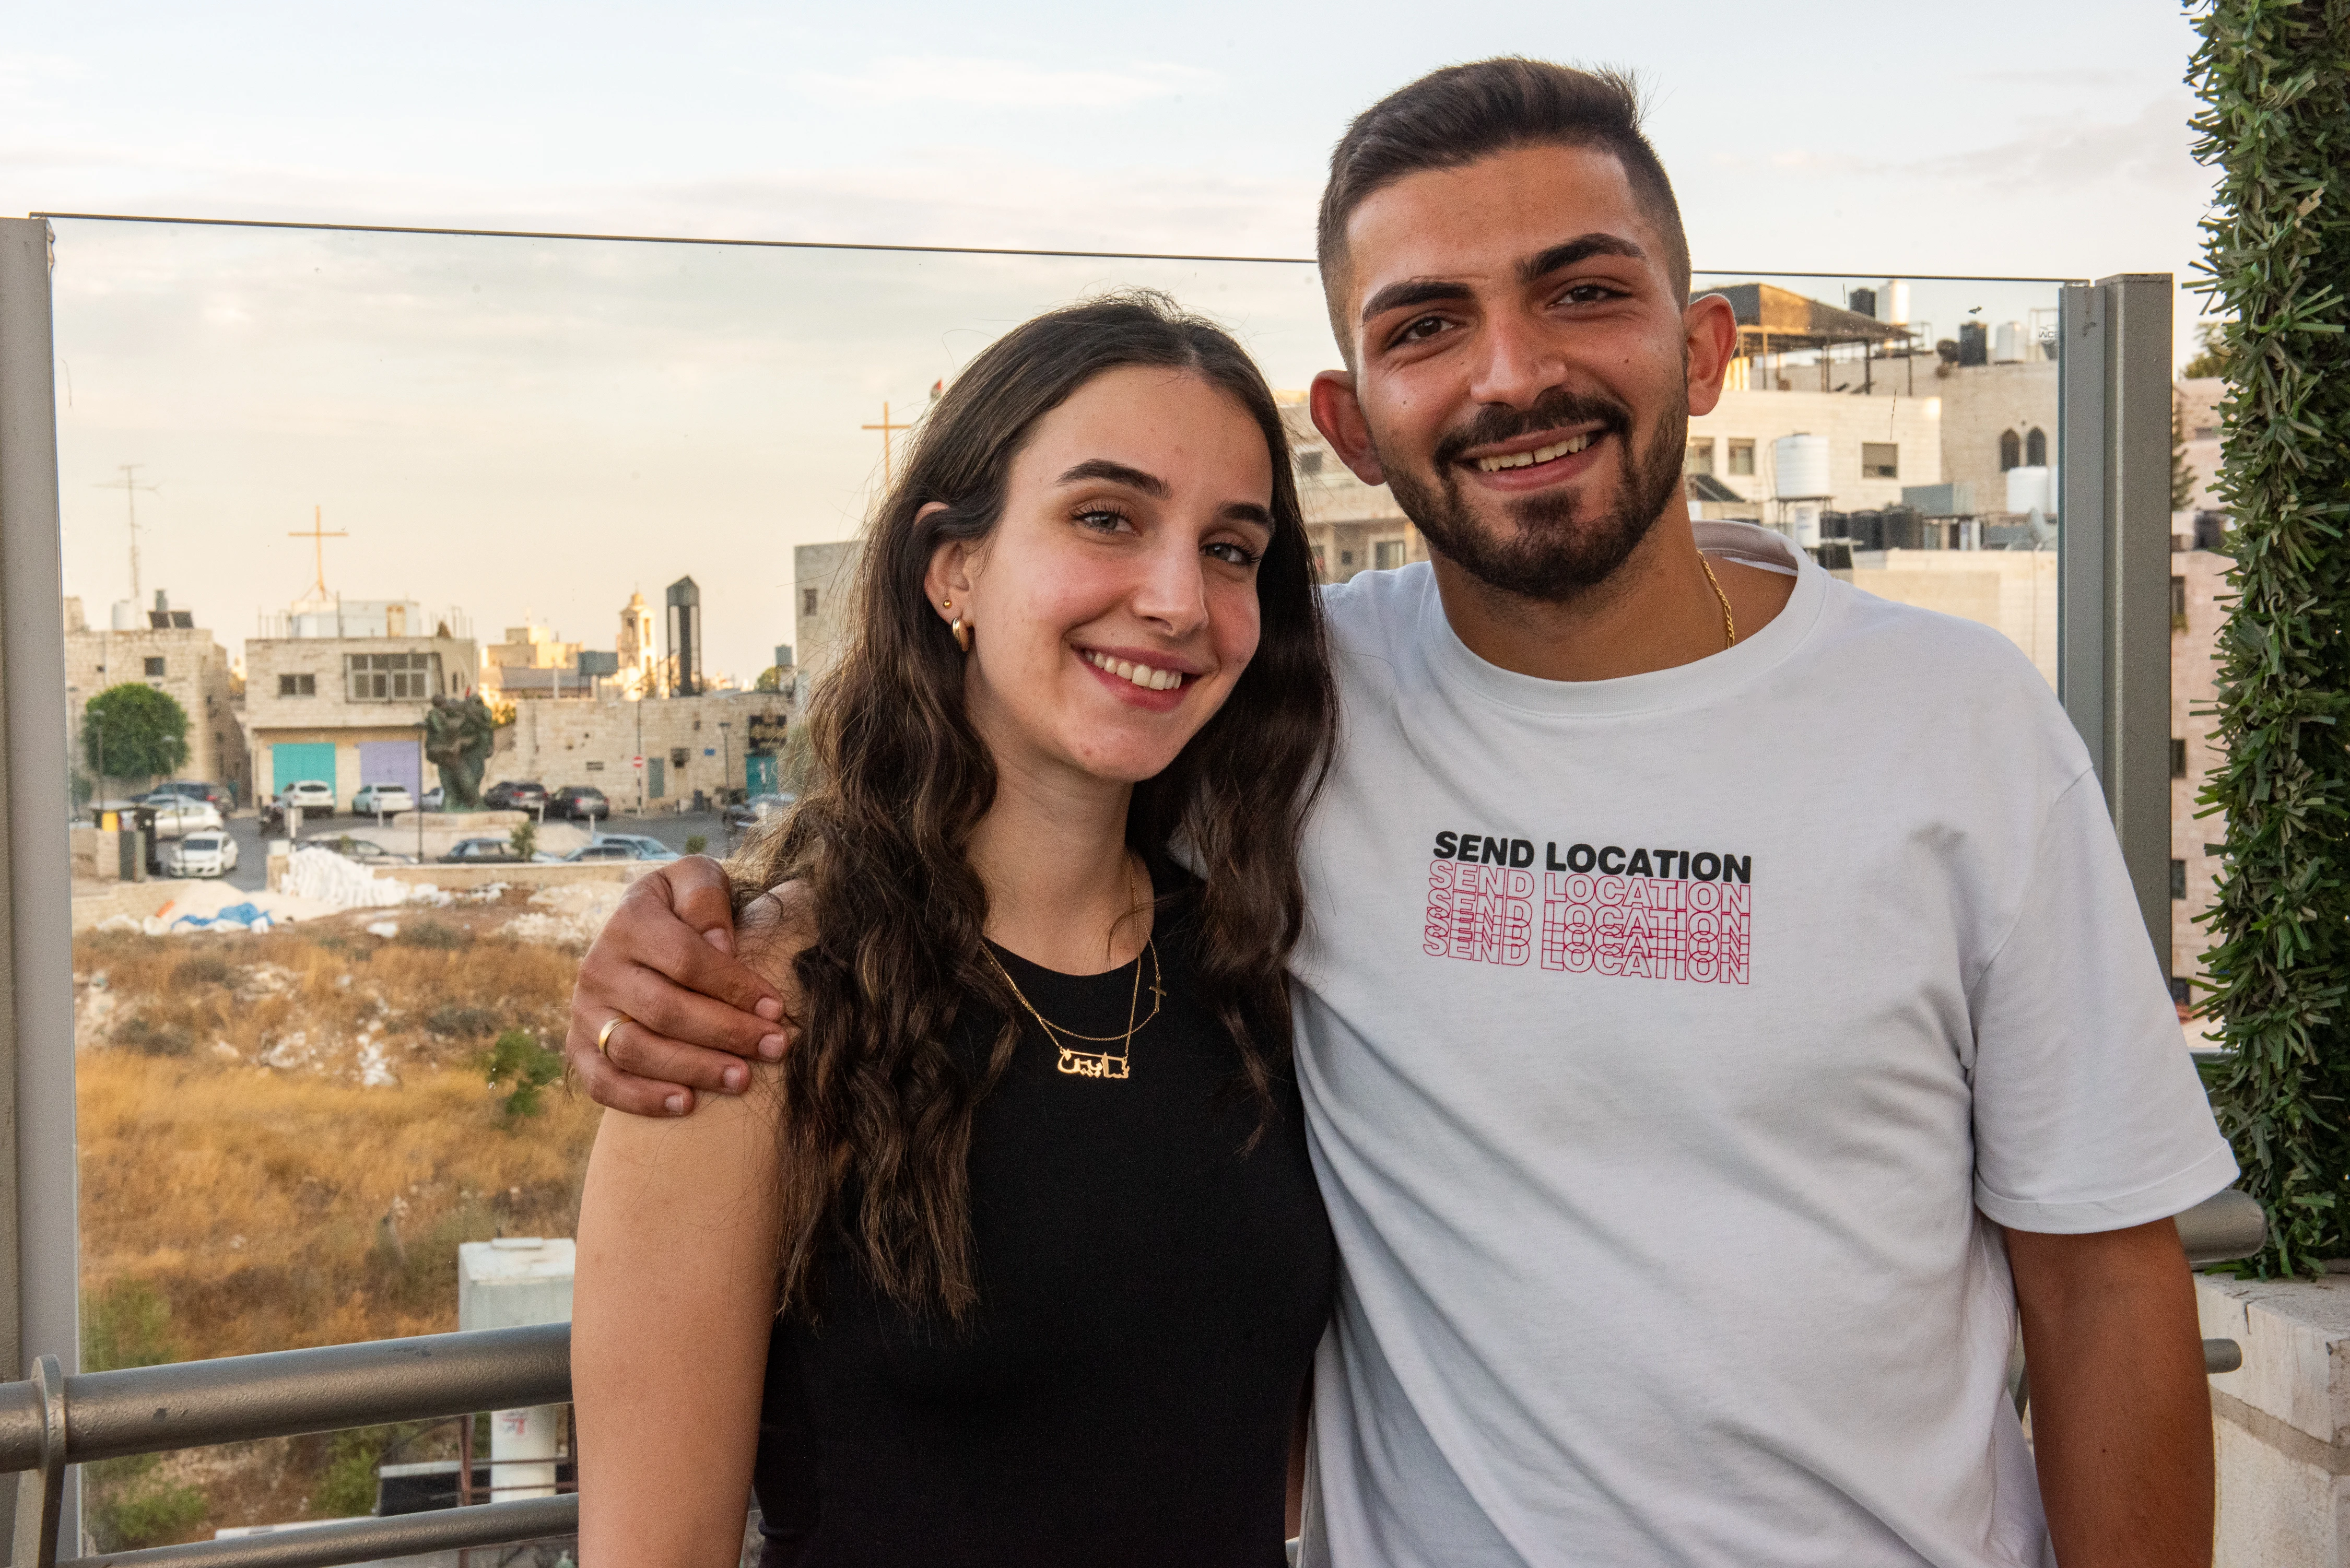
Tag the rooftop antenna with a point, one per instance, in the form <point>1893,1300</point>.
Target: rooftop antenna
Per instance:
<point>129,486</point>
<point>317,535</point>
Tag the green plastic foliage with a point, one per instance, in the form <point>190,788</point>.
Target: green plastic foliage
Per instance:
<point>2274,82</point>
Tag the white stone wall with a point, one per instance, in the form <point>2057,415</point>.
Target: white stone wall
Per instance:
<point>2013,592</point>
<point>1912,424</point>
<point>596,742</point>
<point>2281,1422</point>
<point>823,581</point>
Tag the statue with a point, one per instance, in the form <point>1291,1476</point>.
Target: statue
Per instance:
<point>458,738</point>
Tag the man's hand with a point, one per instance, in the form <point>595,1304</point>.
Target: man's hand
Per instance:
<point>2121,1413</point>
<point>666,959</point>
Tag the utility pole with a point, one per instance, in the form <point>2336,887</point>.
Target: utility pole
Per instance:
<point>129,486</point>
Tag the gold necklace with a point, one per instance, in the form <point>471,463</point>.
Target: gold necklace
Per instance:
<point>1729,625</point>
<point>1094,1064</point>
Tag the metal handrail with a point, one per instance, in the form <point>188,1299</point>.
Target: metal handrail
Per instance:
<point>51,1420</point>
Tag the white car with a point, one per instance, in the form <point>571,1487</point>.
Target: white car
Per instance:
<point>381,800</point>
<point>177,816</point>
<point>310,794</point>
<point>211,853</point>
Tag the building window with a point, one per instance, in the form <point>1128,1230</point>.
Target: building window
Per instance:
<point>1701,458</point>
<point>807,601</point>
<point>1742,457</point>
<point>298,686</point>
<point>1880,460</point>
<point>2010,450</point>
<point>2178,604</point>
<point>2035,448</point>
<point>1346,558</point>
<point>154,667</point>
<point>1309,460</point>
<point>2206,432</point>
<point>1387,554</point>
<point>391,677</point>
<point>2179,879</point>
<point>2177,758</point>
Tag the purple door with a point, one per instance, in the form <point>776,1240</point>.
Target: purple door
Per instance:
<point>391,762</point>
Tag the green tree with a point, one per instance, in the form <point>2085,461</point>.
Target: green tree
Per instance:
<point>2210,354</point>
<point>525,839</point>
<point>517,1062</point>
<point>2273,77</point>
<point>134,732</point>
<point>770,678</point>
<point>2182,474</point>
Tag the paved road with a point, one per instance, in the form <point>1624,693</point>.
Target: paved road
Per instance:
<point>251,866</point>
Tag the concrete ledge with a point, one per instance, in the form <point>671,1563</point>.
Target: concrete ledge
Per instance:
<point>2281,1421</point>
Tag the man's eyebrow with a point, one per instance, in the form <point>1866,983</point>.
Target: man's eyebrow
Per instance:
<point>1582,246</point>
<point>1420,291</point>
<point>1150,484</point>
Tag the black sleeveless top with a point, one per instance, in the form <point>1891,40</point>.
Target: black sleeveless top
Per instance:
<point>1149,1300</point>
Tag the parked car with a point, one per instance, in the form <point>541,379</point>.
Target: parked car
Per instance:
<point>743,816</point>
<point>515,794</point>
<point>223,796</point>
<point>622,847</point>
<point>366,851</point>
<point>432,801</point>
<point>310,794</point>
<point>211,853</point>
<point>488,852</point>
<point>177,816</point>
<point>575,801</point>
<point>646,846</point>
<point>381,800</point>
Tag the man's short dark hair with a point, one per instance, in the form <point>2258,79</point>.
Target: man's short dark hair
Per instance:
<point>1462,113</point>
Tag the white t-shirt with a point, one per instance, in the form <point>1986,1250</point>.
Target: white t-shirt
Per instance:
<point>1665,1043</point>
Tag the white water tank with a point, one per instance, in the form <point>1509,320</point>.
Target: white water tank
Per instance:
<point>2031,489</point>
<point>2011,344</point>
<point>126,617</point>
<point>1800,468</point>
<point>1893,303</point>
<point>1802,524</point>
<point>511,1283</point>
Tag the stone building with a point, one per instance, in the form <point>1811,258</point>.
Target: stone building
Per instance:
<point>823,580</point>
<point>639,672</point>
<point>164,649</point>
<point>713,745</point>
<point>2198,587</point>
<point>349,710</point>
<point>1351,526</point>
<point>1876,447</point>
<point>531,662</point>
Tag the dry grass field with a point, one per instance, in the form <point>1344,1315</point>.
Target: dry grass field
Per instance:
<point>284,1138</point>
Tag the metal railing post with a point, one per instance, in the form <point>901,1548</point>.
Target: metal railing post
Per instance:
<point>2114,562</point>
<point>39,1213</point>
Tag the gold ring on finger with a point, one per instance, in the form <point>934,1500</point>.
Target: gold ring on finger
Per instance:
<point>604,1035</point>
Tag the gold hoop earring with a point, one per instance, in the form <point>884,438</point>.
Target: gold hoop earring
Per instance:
<point>962,629</point>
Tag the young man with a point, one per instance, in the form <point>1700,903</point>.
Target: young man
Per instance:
<point>1724,1005</point>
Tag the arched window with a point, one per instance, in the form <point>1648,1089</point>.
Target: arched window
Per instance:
<point>2010,450</point>
<point>2035,448</point>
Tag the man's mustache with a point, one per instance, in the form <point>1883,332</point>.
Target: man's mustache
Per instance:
<point>1497,423</point>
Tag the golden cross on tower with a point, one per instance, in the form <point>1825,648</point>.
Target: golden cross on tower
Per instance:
<point>885,427</point>
<point>318,535</point>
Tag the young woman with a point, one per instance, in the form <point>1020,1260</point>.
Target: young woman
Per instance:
<point>1017,1259</point>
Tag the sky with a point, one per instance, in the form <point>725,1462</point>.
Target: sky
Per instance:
<point>541,428</point>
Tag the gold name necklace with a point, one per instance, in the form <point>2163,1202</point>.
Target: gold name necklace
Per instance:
<point>1094,1064</point>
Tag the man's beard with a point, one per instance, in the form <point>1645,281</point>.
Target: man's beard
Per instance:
<point>1544,548</point>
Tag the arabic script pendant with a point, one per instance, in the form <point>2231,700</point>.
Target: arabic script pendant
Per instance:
<point>1092,1064</point>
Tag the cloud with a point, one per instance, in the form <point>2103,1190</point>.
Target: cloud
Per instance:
<point>1000,84</point>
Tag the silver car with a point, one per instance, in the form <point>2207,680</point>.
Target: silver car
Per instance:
<point>177,816</point>
<point>209,853</point>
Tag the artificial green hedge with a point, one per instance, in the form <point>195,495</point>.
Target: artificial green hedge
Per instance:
<point>2274,81</point>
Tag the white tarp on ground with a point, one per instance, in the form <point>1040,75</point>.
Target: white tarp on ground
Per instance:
<point>318,882</point>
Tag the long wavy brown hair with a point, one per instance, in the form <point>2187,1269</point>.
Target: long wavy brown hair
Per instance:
<point>875,1105</point>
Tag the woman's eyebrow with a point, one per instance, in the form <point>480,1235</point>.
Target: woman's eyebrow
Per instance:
<point>1248,512</point>
<point>1150,484</point>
